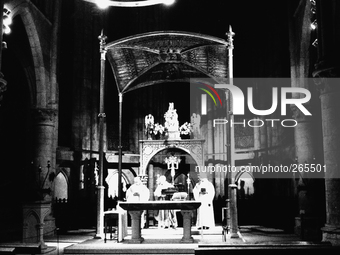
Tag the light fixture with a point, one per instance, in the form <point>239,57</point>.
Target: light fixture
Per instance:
<point>312,2</point>
<point>6,21</point>
<point>313,9</point>
<point>169,2</point>
<point>315,43</point>
<point>314,25</point>
<point>103,4</point>
<point>137,3</point>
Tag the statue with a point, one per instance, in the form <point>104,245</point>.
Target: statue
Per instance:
<point>171,118</point>
<point>149,125</point>
<point>149,121</point>
<point>196,122</point>
<point>171,123</point>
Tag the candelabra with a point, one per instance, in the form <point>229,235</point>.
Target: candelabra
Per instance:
<point>188,184</point>
<point>172,163</point>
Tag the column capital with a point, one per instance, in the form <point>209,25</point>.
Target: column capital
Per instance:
<point>298,115</point>
<point>327,80</point>
<point>42,115</point>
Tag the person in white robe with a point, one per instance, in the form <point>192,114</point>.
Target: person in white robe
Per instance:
<point>138,192</point>
<point>163,216</point>
<point>204,192</point>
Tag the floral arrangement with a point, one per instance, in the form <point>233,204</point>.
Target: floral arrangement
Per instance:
<point>156,130</point>
<point>186,128</point>
<point>159,129</point>
<point>152,128</point>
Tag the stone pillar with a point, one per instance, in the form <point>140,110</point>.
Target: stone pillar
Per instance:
<point>150,185</point>
<point>151,180</point>
<point>43,166</point>
<point>327,75</point>
<point>304,133</point>
<point>187,238</point>
<point>330,104</point>
<point>234,232</point>
<point>305,152</point>
<point>44,149</point>
<point>136,236</point>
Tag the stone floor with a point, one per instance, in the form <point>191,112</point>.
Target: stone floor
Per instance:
<point>167,241</point>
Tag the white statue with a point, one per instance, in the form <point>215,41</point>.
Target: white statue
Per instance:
<point>196,122</point>
<point>149,121</point>
<point>171,118</point>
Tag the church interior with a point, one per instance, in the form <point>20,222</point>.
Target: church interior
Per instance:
<point>79,84</point>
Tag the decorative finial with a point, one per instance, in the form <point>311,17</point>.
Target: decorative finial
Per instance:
<point>102,38</point>
<point>230,35</point>
<point>102,41</point>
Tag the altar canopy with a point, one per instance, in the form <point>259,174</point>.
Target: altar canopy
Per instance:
<point>158,57</point>
<point>166,56</point>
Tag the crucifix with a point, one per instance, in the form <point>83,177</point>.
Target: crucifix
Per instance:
<point>172,163</point>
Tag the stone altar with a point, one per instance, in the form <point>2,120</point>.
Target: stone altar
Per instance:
<point>135,210</point>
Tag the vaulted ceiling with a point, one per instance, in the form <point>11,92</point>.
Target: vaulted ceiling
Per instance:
<point>167,56</point>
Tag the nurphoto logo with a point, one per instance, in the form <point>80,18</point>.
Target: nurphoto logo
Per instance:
<point>283,96</point>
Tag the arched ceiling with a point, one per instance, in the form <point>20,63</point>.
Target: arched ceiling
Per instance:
<point>166,56</point>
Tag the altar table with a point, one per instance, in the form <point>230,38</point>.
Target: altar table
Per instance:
<point>135,210</point>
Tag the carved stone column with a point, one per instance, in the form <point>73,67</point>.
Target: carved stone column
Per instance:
<point>327,80</point>
<point>329,88</point>
<point>43,166</point>
<point>307,223</point>
<point>304,134</point>
<point>44,149</point>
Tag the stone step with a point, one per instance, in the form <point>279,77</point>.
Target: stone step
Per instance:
<point>268,248</point>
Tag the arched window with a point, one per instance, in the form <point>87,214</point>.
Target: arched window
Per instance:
<point>61,187</point>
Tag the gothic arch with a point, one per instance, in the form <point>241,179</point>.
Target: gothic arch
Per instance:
<point>37,27</point>
<point>59,183</point>
<point>149,148</point>
<point>242,171</point>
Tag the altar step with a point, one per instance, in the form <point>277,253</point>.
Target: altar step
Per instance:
<point>156,241</point>
<point>269,248</point>
<point>131,249</point>
<point>97,247</point>
<point>168,241</point>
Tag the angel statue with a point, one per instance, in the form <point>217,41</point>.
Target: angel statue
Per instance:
<point>196,122</point>
<point>149,121</point>
<point>149,125</point>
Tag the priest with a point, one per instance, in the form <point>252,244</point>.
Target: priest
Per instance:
<point>138,192</point>
<point>204,192</point>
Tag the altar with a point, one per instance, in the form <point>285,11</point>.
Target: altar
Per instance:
<point>135,210</point>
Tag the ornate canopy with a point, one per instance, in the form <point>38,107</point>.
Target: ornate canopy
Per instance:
<point>166,56</point>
